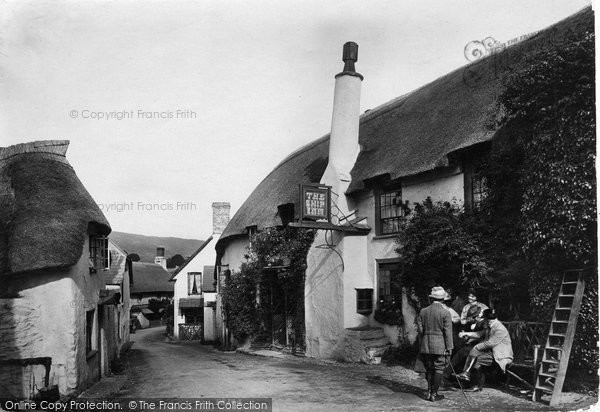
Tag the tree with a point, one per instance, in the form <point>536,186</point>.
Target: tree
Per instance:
<point>175,261</point>
<point>438,245</point>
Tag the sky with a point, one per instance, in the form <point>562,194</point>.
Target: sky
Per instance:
<point>172,105</point>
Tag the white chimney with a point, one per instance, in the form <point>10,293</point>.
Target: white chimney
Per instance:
<point>160,258</point>
<point>343,141</point>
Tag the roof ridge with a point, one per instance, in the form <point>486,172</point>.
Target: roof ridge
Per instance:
<point>57,147</point>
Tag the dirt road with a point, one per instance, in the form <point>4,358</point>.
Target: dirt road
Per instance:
<point>159,369</point>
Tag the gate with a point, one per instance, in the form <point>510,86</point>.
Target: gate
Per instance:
<point>286,321</point>
<point>190,331</point>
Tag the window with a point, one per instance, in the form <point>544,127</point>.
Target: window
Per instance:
<point>476,186</point>
<point>479,190</point>
<point>194,283</point>
<point>89,331</point>
<point>364,301</point>
<point>390,211</point>
<point>99,256</point>
<point>390,290</point>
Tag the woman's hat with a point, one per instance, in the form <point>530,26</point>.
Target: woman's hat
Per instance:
<point>438,292</point>
<point>489,314</point>
<point>473,311</point>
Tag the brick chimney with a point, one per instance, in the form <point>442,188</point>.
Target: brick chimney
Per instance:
<point>220,216</point>
<point>343,141</point>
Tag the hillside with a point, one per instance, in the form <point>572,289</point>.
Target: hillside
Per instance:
<point>145,246</point>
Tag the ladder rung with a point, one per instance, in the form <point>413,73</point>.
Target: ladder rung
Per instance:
<point>564,308</point>
<point>560,321</point>
<point>554,348</point>
<point>544,388</point>
<point>570,282</point>
<point>560,335</point>
<point>551,361</point>
<point>547,374</point>
<point>566,295</point>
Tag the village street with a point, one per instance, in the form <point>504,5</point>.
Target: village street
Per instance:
<point>160,369</point>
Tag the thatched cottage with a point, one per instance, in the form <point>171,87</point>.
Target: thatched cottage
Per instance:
<point>53,253</point>
<point>150,281</point>
<point>423,144</point>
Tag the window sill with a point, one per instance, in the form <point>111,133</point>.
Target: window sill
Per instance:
<point>91,354</point>
<point>388,236</point>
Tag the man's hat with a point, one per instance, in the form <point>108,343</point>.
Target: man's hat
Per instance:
<point>438,292</point>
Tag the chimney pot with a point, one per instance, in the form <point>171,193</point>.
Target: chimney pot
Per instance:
<point>350,56</point>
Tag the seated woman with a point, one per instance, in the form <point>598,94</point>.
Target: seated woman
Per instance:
<point>496,346</point>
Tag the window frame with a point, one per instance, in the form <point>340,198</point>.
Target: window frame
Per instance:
<point>364,301</point>
<point>473,177</point>
<point>379,220</point>
<point>196,275</point>
<point>90,342</point>
<point>99,254</point>
<point>386,298</point>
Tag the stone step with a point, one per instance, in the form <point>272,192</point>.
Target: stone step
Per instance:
<point>365,333</point>
<point>375,343</point>
<point>377,351</point>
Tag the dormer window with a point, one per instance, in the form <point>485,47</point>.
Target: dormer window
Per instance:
<point>99,256</point>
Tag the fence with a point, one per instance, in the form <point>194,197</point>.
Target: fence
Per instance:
<point>524,336</point>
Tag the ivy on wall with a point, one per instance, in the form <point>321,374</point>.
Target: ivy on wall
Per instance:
<point>276,261</point>
<point>539,216</point>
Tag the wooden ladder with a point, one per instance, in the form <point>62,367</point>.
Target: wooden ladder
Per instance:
<point>553,367</point>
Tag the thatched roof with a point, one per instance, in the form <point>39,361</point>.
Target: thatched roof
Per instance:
<point>407,136</point>
<point>149,278</point>
<point>45,211</point>
<point>279,187</point>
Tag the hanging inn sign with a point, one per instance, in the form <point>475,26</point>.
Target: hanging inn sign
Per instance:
<point>315,202</point>
<point>315,212</point>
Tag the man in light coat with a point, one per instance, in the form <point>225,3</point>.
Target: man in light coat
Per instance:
<point>496,346</point>
<point>435,331</point>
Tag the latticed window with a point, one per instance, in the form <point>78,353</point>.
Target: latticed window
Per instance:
<point>99,256</point>
<point>194,283</point>
<point>390,290</point>
<point>479,188</point>
<point>391,211</point>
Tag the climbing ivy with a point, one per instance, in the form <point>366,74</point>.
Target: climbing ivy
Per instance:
<point>539,217</point>
<point>547,113</point>
<point>275,262</point>
<point>439,245</point>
